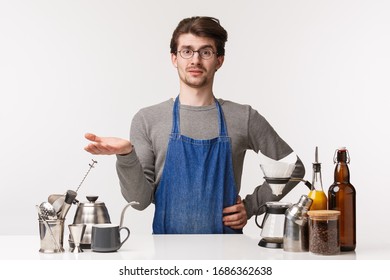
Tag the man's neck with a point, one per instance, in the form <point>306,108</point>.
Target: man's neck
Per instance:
<point>196,97</point>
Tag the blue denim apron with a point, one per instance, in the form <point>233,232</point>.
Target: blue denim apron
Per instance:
<point>196,184</point>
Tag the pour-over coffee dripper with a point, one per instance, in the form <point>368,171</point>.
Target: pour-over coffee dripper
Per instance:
<point>277,175</point>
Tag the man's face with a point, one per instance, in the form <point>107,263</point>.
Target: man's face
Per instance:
<point>196,72</point>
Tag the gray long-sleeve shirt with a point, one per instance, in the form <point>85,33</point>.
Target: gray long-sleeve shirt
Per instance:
<point>140,171</point>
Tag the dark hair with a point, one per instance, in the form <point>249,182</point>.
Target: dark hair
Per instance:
<point>203,27</point>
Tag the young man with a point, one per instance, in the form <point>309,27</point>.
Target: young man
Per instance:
<point>186,154</point>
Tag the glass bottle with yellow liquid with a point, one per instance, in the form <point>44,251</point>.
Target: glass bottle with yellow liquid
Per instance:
<point>317,193</point>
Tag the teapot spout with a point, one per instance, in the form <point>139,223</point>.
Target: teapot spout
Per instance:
<point>124,210</point>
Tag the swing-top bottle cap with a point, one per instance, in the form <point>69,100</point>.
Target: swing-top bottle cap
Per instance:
<point>341,155</point>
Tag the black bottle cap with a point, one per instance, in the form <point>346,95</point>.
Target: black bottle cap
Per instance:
<point>317,167</point>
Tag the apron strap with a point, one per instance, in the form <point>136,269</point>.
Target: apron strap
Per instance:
<point>221,120</point>
<point>176,118</point>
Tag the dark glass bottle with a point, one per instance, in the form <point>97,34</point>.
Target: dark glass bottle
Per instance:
<point>342,197</point>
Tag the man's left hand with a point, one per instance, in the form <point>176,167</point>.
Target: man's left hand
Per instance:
<point>235,216</point>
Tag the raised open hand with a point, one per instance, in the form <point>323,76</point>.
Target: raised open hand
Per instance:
<point>107,145</point>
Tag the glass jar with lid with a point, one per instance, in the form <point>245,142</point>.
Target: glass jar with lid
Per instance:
<point>324,231</point>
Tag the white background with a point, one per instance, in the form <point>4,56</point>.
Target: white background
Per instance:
<point>317,70</point>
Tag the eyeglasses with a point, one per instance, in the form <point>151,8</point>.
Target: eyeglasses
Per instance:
<point>205,53</point>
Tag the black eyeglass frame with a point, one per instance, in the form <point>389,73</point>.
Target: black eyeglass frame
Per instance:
<point>198,51</point>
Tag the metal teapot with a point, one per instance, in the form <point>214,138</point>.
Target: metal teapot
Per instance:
<point>89,213</point>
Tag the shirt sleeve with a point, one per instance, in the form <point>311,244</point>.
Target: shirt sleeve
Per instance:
<point>136,176</point>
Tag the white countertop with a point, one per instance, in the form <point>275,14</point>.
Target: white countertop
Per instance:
<point>184,247</point>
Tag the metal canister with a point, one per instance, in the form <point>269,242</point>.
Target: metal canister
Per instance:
<point>296,230</point>
<point>51,233</point>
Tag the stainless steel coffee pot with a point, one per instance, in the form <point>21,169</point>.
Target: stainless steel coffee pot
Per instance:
<point>89,213</point>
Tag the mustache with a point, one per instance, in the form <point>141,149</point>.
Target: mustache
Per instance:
<point>195,68</point>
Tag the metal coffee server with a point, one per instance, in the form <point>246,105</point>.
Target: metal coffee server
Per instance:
<point>273,224</point>
<point>296,231</point>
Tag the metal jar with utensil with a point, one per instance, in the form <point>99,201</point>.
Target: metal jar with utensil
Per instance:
<point>51,229</point>
<point>51,233</point>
